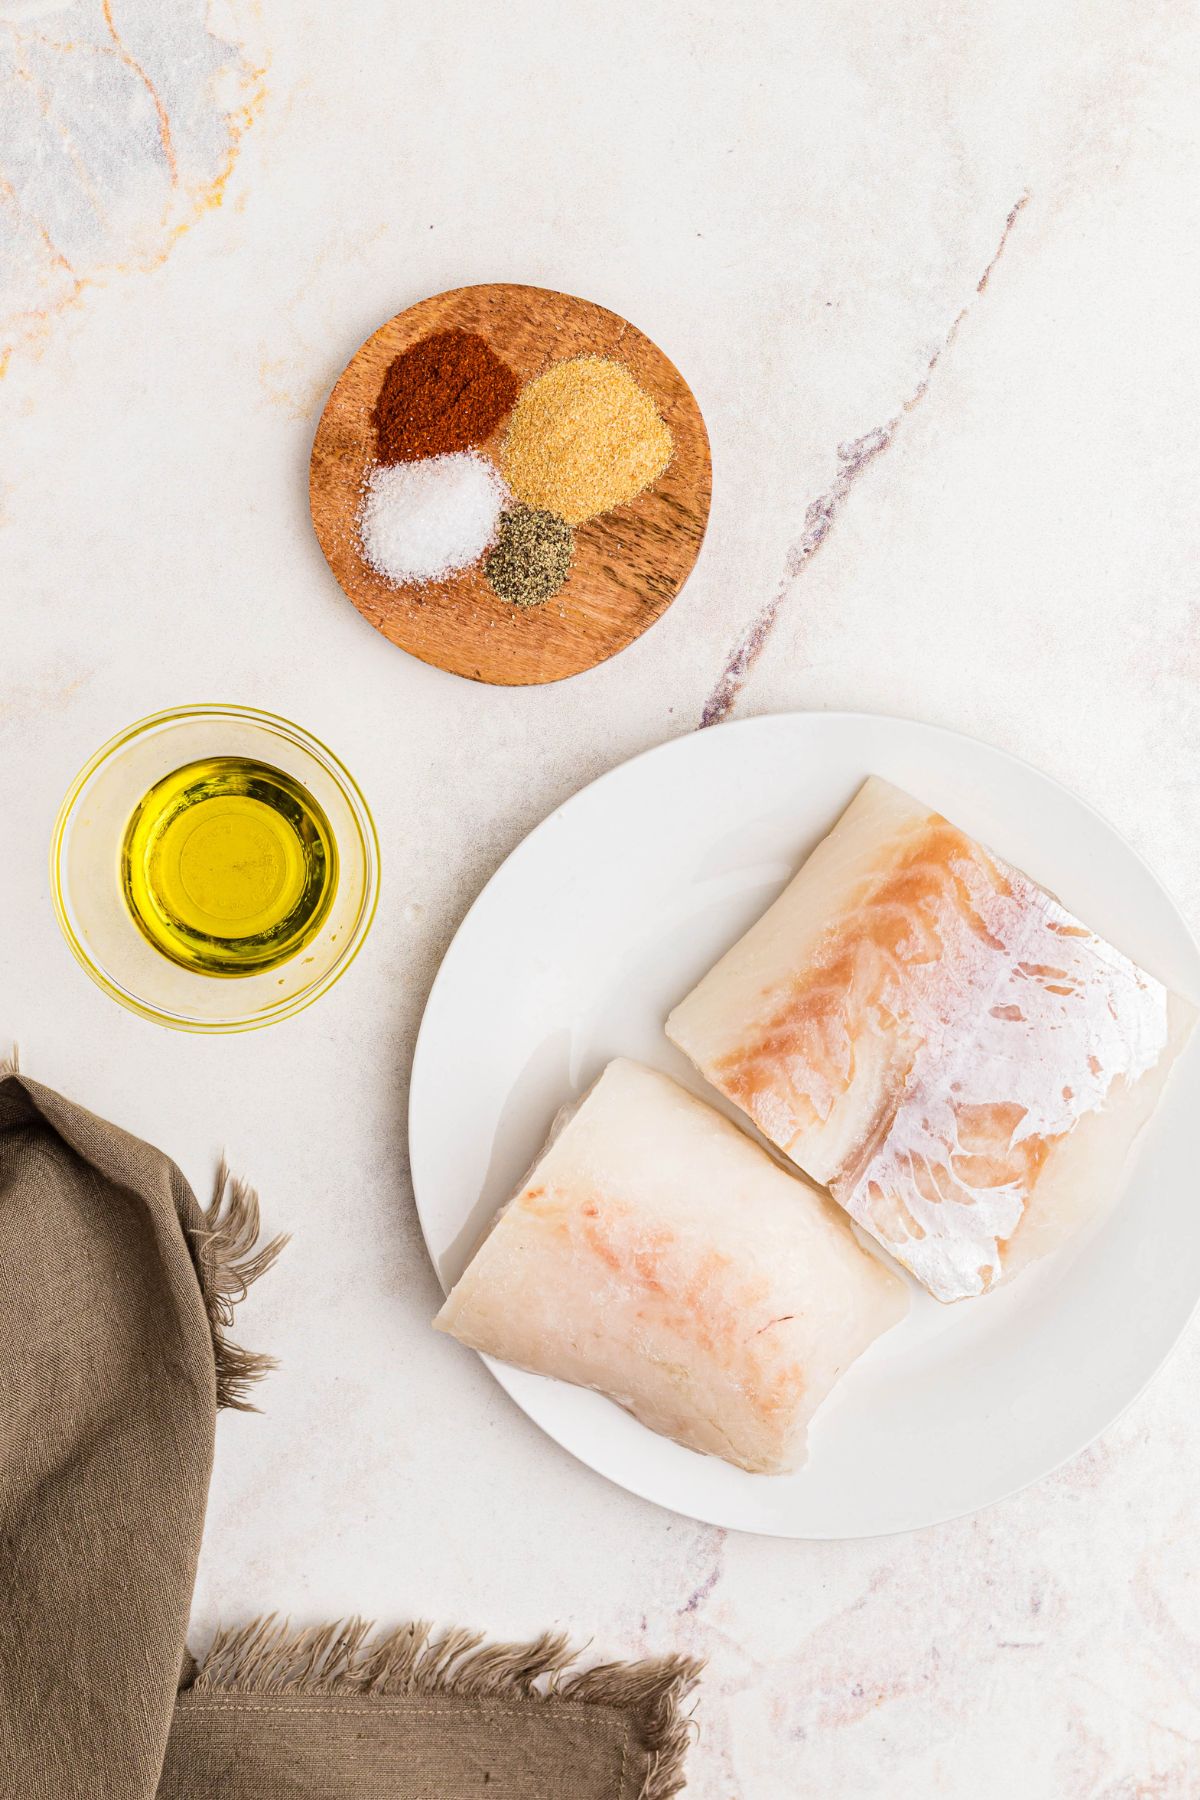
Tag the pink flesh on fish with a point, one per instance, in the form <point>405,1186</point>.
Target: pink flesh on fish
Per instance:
<point>930,1034</point>
<point>658,1255</point>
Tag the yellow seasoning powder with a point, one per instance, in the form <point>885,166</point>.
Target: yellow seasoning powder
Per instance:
<point>582,438</point>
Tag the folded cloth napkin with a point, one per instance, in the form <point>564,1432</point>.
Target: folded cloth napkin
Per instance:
<point>116,1294</point>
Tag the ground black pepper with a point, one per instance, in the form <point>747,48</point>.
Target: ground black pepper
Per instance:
<point>532,557</point>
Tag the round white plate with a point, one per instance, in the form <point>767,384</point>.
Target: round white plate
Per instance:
<point>607,915</point>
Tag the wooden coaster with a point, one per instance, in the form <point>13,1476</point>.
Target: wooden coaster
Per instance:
<point>628,564</point>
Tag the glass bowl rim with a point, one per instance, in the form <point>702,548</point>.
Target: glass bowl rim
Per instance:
<point>351,792</point>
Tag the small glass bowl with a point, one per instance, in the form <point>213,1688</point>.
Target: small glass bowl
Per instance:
<point>85,872</point>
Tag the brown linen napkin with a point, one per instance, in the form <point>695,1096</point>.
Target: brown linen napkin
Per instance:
<point>116,1292</point>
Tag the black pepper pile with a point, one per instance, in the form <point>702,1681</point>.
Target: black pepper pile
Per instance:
<point>531,557</point>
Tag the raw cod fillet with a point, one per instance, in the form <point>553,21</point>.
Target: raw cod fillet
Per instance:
<point>658,1255</point>
<point>926,1031</point>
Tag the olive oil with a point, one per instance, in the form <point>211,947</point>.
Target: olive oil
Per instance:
<point>229,866</point>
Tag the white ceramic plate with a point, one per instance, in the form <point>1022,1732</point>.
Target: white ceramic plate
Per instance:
<point>607,914</point>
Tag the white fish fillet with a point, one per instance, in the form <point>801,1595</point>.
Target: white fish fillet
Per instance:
<point>658,1255</point>
<point>929,1033</point>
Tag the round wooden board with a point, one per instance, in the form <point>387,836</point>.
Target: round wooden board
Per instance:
<point>629,563</point>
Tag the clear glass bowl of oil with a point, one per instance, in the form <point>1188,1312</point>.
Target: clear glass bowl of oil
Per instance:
<point>215,868</point>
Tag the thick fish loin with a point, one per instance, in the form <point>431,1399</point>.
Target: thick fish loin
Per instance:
<point>658,1255</point>
<point>932,1036</point>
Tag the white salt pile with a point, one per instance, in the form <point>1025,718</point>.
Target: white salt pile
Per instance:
<point>422,520</point>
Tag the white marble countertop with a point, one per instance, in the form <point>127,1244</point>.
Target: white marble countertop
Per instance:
<point>931,270</point>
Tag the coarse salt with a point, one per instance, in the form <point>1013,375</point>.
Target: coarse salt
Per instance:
<point>424,520</point>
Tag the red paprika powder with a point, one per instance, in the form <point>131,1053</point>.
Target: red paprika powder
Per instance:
<point>448,392</point>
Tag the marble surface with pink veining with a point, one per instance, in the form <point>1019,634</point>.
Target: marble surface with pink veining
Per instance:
<point>931,270</point>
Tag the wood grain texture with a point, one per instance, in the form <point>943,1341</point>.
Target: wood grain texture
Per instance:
<point>629,563</point>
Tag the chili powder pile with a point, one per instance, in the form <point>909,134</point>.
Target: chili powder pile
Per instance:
<point>446,393</point>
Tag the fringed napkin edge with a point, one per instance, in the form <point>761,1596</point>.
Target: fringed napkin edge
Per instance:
<point>268,1657</point>
<point>228,1261</point>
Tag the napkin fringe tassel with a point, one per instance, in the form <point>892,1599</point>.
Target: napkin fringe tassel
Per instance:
<point>266,1656</point>
<point>229,1260</point>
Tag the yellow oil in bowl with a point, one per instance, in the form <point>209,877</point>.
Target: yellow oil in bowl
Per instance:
<point>229,866</point>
